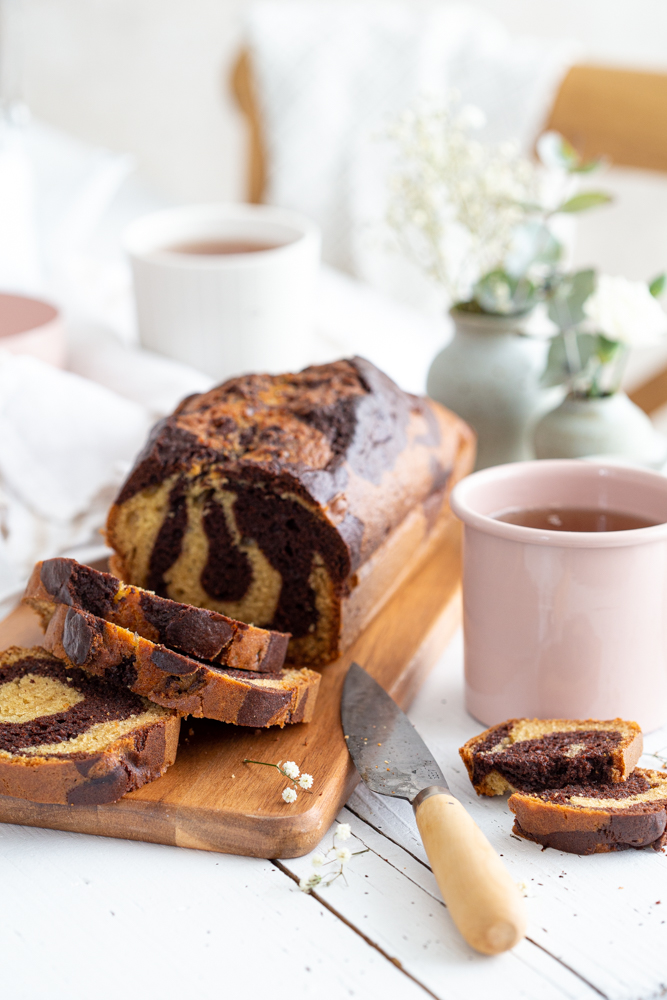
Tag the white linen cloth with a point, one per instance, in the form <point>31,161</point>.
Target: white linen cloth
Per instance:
<point>67,438</point>
<point>330,76</point>
<point>67,442</point>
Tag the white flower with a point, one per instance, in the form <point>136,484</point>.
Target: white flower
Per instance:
<point>306,780</point>
<point>470,117</point>
<point>343,831</point>
<point>343,854</point>
<point>625,311</point>
<point>454,201</point>
<point>289,795</point>
<point>317,860</point>
<point>306,884</point>
<point>290,769</point>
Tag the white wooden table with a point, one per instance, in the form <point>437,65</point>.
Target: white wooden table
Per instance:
<point>87,917</point>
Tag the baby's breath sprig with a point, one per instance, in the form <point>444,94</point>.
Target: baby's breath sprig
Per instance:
<point>341,855</point>
<point>660,755</point>
<point>290,771</point>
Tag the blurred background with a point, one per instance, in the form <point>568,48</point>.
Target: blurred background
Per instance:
<point>150,77</point>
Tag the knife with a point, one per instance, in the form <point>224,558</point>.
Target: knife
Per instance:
<point>392,759</point>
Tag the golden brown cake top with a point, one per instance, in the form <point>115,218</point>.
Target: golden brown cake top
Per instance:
<point>303,426</point>
<point>305,418</point>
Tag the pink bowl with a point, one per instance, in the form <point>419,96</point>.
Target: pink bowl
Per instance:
<point>31,326</point>
<point>562,624</point>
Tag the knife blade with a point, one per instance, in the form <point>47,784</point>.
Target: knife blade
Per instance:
<point>393,760</point>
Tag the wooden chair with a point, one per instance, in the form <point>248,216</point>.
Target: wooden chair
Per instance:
<point>602,111</point>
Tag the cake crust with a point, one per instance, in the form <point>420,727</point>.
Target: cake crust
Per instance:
<point>96,746</point>
<point>193,631</point>
<point>266,498</point>
<point>534,754</point>
<point>596,819</point>
<point>175,681</point>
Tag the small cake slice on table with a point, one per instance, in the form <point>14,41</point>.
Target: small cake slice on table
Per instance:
<point>196,632</point>
<point>191,687</point>
<point>72,739</point>
<point>533,754</point>
<point>596,819</point>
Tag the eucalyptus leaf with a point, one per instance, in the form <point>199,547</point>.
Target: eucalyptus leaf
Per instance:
<point>564,363</point>
<point>532,243</point>
<point>606,349</point>
<point>501,294</point>
<point>582,202</point>
<point>556,371</point>
<point>589,167</point>
<point>566,303</point>
<point>657,286</point>
<point>555,151</point>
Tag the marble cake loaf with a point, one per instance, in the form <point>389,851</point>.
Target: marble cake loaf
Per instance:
<point>533,754</point>
<point>189,686</point>
<point>294,502</point>
<point>194,631</point>
<point>72,739</point>
<point>596,819</point>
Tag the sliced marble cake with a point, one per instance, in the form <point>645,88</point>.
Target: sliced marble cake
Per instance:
<point>196,632</point>
<point>595,819</point>
<point>175,681</point>
<point>533,754</point>
<point>70,738</point>
<point>291,501</point>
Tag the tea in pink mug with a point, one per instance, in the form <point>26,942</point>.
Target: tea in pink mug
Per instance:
<point>565,592</point>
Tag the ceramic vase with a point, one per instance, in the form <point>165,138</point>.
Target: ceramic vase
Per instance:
<point>489,374</point>
<point>603,425</point>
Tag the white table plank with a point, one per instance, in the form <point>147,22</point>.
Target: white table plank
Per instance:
<point>90,917</point>
<point>394,900</point>
<point>616,939</point>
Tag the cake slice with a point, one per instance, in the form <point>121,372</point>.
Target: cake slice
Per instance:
<point>529,755</point>
<point>173,680</point>
<point>196,632</point>
<point>69,738</point>
<point>595,819</point>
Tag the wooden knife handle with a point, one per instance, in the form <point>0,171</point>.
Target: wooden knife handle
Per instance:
<point>484,903</point>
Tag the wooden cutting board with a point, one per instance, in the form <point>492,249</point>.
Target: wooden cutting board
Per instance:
<point>209,799</point>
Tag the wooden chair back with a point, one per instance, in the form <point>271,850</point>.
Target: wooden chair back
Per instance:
<point>618,113</point>
<point>243,88</point>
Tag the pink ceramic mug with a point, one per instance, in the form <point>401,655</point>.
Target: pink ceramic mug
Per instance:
<point>564,624</point>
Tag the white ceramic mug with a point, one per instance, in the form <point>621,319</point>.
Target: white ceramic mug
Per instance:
<point>564,624</point>
<point>225,313</point>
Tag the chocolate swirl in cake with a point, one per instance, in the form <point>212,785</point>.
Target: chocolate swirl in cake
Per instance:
<point>595,819</point>
<point>94,700</point>
<point>534,754</point>
<point>564,758</point>
<point>71,739</point>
